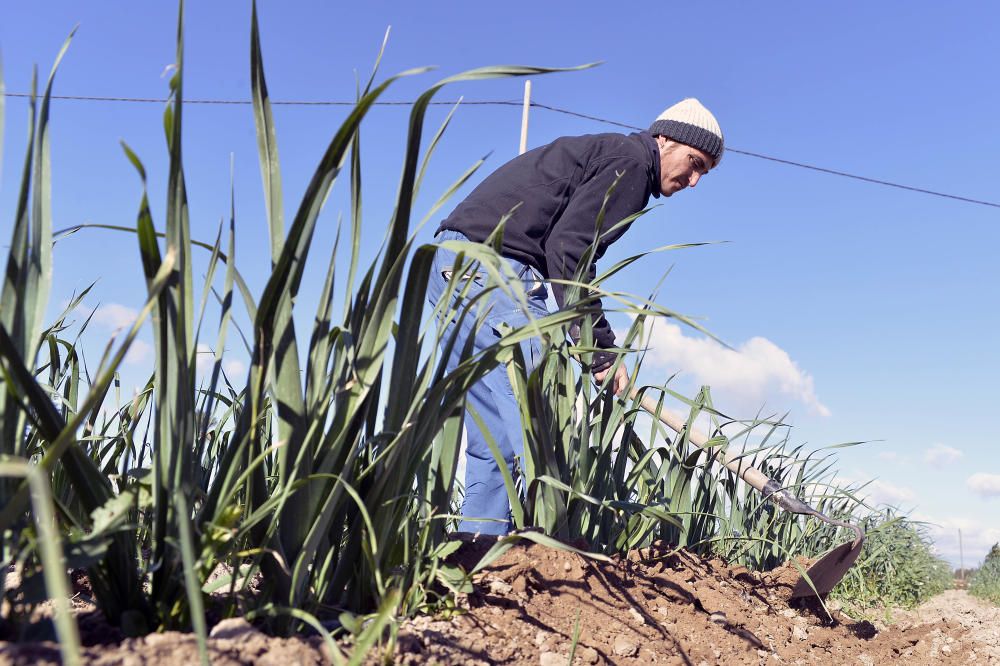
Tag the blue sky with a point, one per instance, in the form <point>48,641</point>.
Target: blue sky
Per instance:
<point>866,312</point>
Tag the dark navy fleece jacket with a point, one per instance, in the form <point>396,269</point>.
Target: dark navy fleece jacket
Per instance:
<point>556,192</point>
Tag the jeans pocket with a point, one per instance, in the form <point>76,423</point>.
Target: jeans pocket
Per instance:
<point>477,277</point>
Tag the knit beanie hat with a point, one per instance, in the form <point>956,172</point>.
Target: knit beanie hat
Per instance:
<point>692,124</point>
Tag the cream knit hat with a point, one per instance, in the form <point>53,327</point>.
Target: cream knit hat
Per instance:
<point>691,123</point>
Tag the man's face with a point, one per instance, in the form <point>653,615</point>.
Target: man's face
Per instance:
<point>680,165</point>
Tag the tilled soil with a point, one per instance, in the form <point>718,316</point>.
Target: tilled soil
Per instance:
<point>960,624</point>
<point>656,607</point>
<point>662,608</point>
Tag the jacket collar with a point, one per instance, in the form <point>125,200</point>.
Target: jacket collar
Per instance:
<point>654,158</point>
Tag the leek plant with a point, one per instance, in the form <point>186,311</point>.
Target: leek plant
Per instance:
<point>329,469</point>
<point>40,423</point>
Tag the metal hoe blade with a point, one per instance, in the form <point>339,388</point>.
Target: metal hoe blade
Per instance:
<point>826,572</point>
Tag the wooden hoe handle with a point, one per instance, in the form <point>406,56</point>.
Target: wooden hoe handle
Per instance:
<point>767,487</point>
<point>674,421</point>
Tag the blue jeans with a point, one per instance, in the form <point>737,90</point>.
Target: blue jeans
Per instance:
<point>486,508</point>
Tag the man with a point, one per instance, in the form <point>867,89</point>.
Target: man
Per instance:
<point>552,197</point>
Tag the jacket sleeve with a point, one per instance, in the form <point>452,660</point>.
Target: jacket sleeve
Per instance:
<point>576,229</point>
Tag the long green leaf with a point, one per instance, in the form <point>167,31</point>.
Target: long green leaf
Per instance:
<point>40,276</point>
<point>267,141</point>
<point>53,565</point>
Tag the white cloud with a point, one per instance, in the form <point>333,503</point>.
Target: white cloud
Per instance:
<point>115,316</point>
<point>984,485</point>
<point>939,455</point>
<point>882,492</point>
<point>891,458</point>
<point>234,369</point>
<point>205,361</point>
<point>977,538</point>
<point>204,358</point>
<point>894,457</point>
<point>138,351</point>
<point>756,372</point>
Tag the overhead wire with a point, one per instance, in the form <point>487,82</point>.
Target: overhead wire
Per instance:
<point>779,160</point>
<point>537,105</point>
<point>274,102</point>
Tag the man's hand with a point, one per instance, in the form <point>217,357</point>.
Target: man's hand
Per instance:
<point>620,381</point>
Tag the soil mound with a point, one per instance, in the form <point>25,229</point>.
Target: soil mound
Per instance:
<point>655,607</point>
<point>660,607</point>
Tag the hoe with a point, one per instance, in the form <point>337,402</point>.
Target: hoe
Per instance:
<point>827,571</point>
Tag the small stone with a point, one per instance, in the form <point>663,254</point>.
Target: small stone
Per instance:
<point>788,612</point>
<point>762,653</point>
<point>799,633</point>
<point>588,655</point>
<point>500,587</point>
<point>159,639</point>
<point>866,660</point>
<point>623,647</point>
<point>552,659</point>
<point>232,628</point>
<point>567,567</point>
<point>637,616</point>
<point>540,638</point>
<point>946,649</point>
<point>719,618</point>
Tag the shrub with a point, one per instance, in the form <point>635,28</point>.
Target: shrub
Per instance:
<point>985,582</point>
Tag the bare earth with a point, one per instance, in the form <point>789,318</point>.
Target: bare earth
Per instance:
<point>653,608</point>
<point>965,625</point>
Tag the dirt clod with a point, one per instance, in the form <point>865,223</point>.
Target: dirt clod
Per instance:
<point>552,659</point>
<point>232,628</point>
<point>624,647</point>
